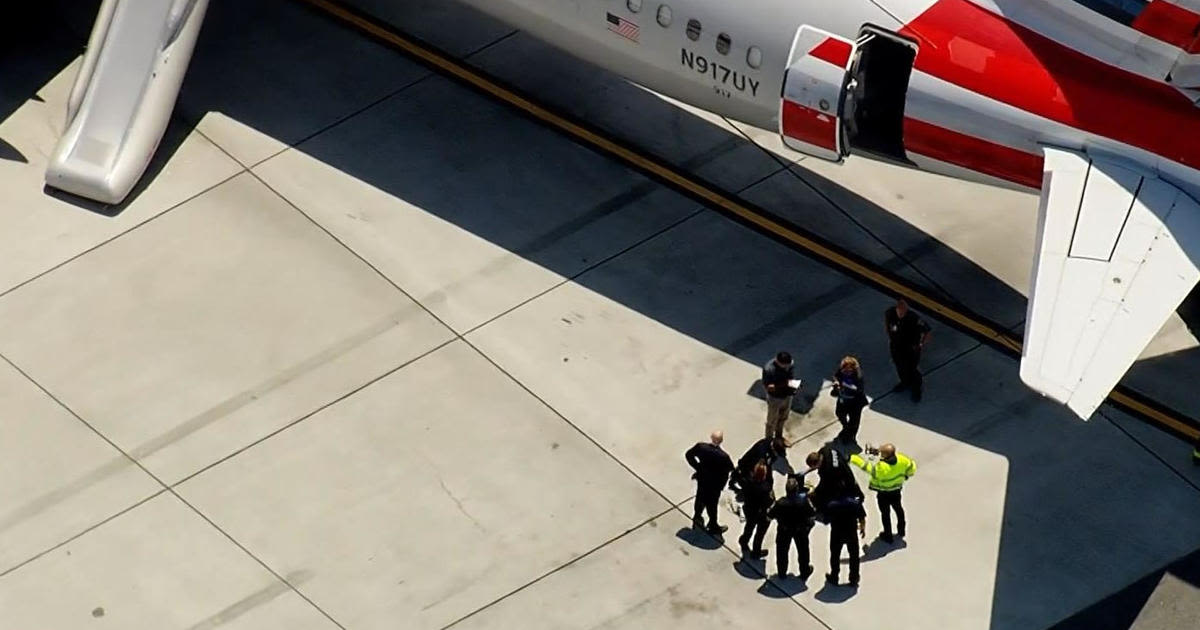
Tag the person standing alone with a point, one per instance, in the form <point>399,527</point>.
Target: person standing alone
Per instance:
<point>907,336</point>
<point>712,465</point>
<point>779,381</point>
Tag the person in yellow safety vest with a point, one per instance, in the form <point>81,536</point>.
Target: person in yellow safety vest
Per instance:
<point>888,475</point>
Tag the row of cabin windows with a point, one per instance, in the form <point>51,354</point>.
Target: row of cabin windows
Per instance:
<point>724,41</point>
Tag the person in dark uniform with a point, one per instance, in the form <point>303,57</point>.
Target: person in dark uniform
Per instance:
<point>759,495</point>
<point>712,465</point>
<point>794,518</point>
<point>907,336</point>
<point>777,377</point>
<point>764,450</point>
<point>850,390</point>
<point>836,479</point>
<point>847,523</point>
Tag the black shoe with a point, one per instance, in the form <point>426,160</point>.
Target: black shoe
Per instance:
<point>887,538</point>
<point>854,582</point>
<point>717,530</point>
<point>806,571</point>
<point>760,554</point>
<point>900,534</point>
<point>697,523</point>
<point>831,579</point>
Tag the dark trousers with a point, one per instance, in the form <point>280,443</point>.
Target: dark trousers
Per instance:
<point>906,361</point>
<point>756,524</point>
<point>888,501</point>
<point>783,541</point>
<point>849,413</point>
<point>843,537</point>
<point>708,494</point>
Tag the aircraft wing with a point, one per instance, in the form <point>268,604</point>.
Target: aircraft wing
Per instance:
<point>1117,252</point>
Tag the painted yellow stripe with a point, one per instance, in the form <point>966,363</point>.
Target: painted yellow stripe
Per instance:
<point>715,198</point>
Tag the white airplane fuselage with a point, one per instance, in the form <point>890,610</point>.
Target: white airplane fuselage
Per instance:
<point>985,94</point>
<point>664,59</point>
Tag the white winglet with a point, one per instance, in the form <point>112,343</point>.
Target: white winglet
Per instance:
<point>1117,253</point>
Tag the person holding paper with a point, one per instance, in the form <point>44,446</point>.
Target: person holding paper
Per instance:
<point>849,389</point>
<point>780,383</point>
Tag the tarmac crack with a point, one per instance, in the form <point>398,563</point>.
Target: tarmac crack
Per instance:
<point>457,502</point>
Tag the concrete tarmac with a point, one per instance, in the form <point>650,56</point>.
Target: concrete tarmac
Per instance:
<point>369,350</point>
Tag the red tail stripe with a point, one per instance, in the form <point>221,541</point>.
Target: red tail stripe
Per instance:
<point>1170,23</point>
<point>973,153</point>
<point>983,52</point>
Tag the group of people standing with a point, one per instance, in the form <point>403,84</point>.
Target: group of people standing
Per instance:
<point>837,499</point>
<point>907,334</point>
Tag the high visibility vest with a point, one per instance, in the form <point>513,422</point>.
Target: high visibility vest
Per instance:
<point>885,476</point>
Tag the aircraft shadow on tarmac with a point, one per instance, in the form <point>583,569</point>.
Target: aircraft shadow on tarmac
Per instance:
<point>32,51</point>
<point>693,295</point>
<point>1121,609</point>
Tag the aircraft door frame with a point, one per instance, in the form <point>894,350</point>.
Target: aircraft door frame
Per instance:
<point>813,94</point>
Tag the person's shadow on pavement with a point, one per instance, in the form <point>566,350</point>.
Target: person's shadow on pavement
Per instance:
<point>776,588</point>
<point>879,548</point>
<point>831,594</point>
<point>699,539</point>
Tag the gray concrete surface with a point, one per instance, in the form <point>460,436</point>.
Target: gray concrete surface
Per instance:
<point>223,329</point>
<point>156,566</point>
<point>435,365</point>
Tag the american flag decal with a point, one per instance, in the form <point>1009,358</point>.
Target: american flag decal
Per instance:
<point>623,27</point>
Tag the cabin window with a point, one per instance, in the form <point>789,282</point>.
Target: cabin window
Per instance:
<point>693,29</point>
<point>634,5</point>
<point>664,15</point>
<point>754,57</point>
<point>724,42</point>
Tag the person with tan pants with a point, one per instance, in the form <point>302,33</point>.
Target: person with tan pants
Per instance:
<point>780,383</point>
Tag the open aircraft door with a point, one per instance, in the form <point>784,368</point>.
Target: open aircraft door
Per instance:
<point>813,93</point>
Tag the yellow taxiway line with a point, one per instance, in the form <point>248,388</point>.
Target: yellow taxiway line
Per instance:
<point>989,332</point>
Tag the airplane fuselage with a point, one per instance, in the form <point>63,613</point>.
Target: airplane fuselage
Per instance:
<point>984,95</point>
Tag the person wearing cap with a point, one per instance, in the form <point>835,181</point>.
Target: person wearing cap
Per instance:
<point>779,381</point>
<point>888,475</point>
